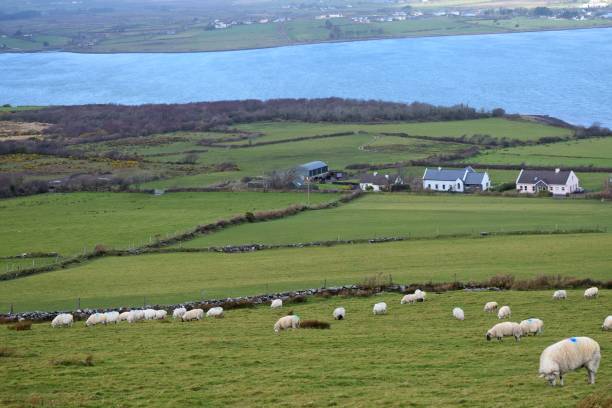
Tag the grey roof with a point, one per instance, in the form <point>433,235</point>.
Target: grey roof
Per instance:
<point>474,178</point>
<point>547,176</point>
<point>467,175</point>
<point>378,179</point>
<point>313,165</point>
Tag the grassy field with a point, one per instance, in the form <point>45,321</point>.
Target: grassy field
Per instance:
<point>384,215</point>
<point>596,152</point>
<point>70,223</point>
<point>416,356</point>
<point>174,278</point>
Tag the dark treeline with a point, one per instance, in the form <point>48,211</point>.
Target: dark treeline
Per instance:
<point>55,148</point>
<point>104,122</point>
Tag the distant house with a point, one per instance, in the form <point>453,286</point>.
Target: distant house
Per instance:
<point>455,180</point>
<point>315,170</point>
<point>378,182</point>
<point>557,182</point>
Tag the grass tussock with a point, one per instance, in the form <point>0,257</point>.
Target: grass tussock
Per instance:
<point>597,400</point>
<point>314,324</point>
<point>20,326</point>
<point>6,352</point>
<point>88,361</point>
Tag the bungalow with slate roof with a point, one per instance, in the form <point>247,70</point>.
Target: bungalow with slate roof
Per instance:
<point>455,180</point>
<point>557,182</point>
<point>379,182</point>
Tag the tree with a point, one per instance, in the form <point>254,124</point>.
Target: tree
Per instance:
<point>542,12</point>
<point>498,112</point>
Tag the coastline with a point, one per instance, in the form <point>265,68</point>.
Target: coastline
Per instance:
<point>296,44</point>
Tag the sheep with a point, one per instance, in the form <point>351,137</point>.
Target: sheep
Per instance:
<point>490,307</point>
<point>560,295</point>
<point>380,308</point>
<point>135,315</point>
<point>112,317</point>
<point>409,299</point>
<point>160,314</point>
<point>501,330</point>
<point>607,324</point>
<point>532,325</point>
<point>215,312</point>
<point>420,295</point>
<point>124,316</point>
<point>339,313</point>
<point>458,313</point>
<point>276,303</point>
<point>62,320</point>
<point>149,314</point>
<point>96,318</point>
<point>504,312</point>
<point>568,355</point>
<point>287,322</point>
<point>193,314</point>
<point>178,312</point>
<point>591,293</point>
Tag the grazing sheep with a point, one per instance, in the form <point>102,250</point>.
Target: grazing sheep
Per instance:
<point>135,315</point>
<point>409,299</point>
<point>490,307</point>
<point>607,324</point>
<point>160,314</point>
<point>339,313</point>
<point>96,318</point>
<point>112,317</point>
<point>420,295</point>
<point>560,295</point>
<point>591,293</point>
<point>287,322</point>
<point>569,355</point>
<point>276,303</point>
<point>458,313</point>
<point>215,312</point>
<point>380,308</point>
<point>504,312</point>
<point>505,329</point>
<point>124,316</point>
<point>62,320</point>
<point>193,314</point>
<point>532,325</point>
<point>149,314</point>
<point>178,312</point>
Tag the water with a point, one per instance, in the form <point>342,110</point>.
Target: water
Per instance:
<point>567,74</point>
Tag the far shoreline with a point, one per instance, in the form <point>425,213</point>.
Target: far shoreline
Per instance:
<point>298,44</point>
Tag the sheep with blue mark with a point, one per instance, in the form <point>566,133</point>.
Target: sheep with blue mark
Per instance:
<point>568,355</point>
<point>532,325</point>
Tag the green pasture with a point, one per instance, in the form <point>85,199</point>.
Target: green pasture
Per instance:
<point>390,215</point>
<point>416,355</point>
<point>71,223</point>
<point>178,277</point>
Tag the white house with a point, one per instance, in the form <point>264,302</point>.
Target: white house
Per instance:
<point>557,182</point>
<point>378,182</point>
<point>455,180</point>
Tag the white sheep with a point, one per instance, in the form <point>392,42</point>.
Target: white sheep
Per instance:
<point>112,317</point>
<point>420,295</point>
<point>532,325</point>
<point>178,312</point>
<point>339,313</point>
<point>160,314</point>
<point>569,355</point>
<point>505,329</point>
<point>458,313</point>
<point>215,312</point>
<point>135,315</point>
<point>560,295</point>
<point>591,293</point>
<point>124,316</point>
<point>409,299</point>
<point>193,314</point>
<point>96,318</point>
<point>287,322</point>
<point>276,303</point>
<point>490,307</point>
<point>504,312</point>
<point>607,324</point>
<point>380,308</point>
<point>62,320</point>
<point>149,314</point>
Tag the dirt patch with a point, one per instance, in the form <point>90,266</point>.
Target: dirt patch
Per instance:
<point>10,130</point>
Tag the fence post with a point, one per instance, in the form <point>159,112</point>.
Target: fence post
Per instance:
<point>325,283</point>
<point>11,312</point>
<point>78,303</point>
<point>144,302</point>
<point>202,293</point>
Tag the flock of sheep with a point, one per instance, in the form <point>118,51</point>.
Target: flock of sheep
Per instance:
<point>555,361</point>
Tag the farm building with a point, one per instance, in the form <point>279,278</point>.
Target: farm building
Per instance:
<point>315,170</point>
<point>378,182</point>
<point>557,182</point>
<point>455,180</point>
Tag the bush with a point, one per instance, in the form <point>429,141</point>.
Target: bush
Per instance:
<point>250,217</point>
<point>100,249</point>
<point>314,324</point>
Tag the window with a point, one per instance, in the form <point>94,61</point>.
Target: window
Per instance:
<point>436,186</point>
<point>443,186</point>
<point>562,188</point>
<point>458,185</point>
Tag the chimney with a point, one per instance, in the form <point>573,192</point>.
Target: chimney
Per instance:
<point>439,168</point>
<point>557,170</point>
<point>387,176</point>
<point>376,173</point>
